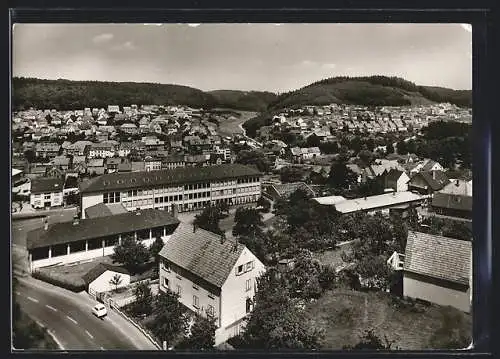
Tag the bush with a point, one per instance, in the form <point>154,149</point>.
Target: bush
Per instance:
<point>58,282</point>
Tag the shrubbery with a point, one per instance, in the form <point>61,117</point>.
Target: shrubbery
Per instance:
<point>60,282</point>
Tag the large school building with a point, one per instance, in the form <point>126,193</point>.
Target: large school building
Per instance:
<point>189,188</point>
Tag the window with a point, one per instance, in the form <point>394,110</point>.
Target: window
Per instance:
<point>210,310</point>
<point>165,266</point>
<point>211,296</point>
<point>165,282</point>
<point>249,266</point>
<point>179,290</point>
<point>248,305</point>
<point>196,301</point>
<point>239,270</point>
<point>195,287</point>
<point>248,285</point>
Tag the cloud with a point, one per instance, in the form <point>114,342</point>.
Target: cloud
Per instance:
<point>193,25</point>
<point>125,46</point>
<point>99,39</point>
<point>308,63</point>
<point>467,27</point>
<point>329,66</point>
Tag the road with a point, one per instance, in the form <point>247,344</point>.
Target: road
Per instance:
<point>68,317</point>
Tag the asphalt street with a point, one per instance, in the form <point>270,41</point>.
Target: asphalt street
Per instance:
<point>68,317</point>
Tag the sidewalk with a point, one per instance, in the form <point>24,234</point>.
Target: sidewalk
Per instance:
<point>28,212</point>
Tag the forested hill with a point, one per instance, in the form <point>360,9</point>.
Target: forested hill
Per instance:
<point>372,90</point>
<point>69,95</point>
<point>244,100</point>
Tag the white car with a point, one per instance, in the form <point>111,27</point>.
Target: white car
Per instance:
<point>99,310</point>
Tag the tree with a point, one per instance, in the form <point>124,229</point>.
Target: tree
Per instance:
<point>313,141</point>
<point>372,187</point>
<point>155,248</point>
<point>170,320</point>
<point>276,322</point>
<point>30,156</point>
<point>255,158</point>
<point>116,280</point>
<point>247,222</point>
<point>143,303</point>
<point>341,176</point>
<point>291,174</point>
<point>209,219</point>
<point>131,253</point>
<point>202,336</point>
<point>370,341</point>
<point>264,204</point>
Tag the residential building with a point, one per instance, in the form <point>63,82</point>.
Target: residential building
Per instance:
<point>101,150</point>
<point>173,161</point>
<point>453,205</point>
<point>69,242</point>
<point>189,188</point>
<point>428,182</point>
<point>47,149</point>
<point>212,275</point>
<point>458,187</point>
<point>397,180</point>
<point>46,192</point>
<point>438,269</point>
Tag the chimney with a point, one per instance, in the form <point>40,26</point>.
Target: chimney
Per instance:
<point>222,238</point>
<point>46,224</point>
<point>457,183</point>
<point>434,175</point>
<point>76,220</point>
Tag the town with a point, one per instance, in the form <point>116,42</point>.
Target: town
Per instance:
<point>350,218</point>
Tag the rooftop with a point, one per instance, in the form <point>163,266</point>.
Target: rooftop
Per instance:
<point>202,253</point>
<point>438,257</point>
<point>452,201</point>
<point>121,181</point>
<point>103,210</point>
<point>41,185</point>
<point>67,232</point>
<point>99,269</point>
<point>330,200</point>
<point>379,201</point>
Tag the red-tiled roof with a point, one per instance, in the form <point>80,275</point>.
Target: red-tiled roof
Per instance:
<point>438,257</point>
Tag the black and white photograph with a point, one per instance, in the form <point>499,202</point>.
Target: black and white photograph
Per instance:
<point>225,187</point>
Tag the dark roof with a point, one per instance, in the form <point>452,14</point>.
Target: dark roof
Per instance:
<point>202,253</point>
<point>286,189</point>
<point>452,201</point>
<point>438,257</point>
<point>89,228</point>
<point>394,174</point>
<point>120,181</point>
<point>103,210</point>
<point>435,179</point>
<point>39,185</point>
<point>428,165</point>
<point>99,269</point>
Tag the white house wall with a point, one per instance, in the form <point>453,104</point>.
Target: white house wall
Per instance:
<point>101,283</point>
<point>436,294</point>
<point>234,295</point>
<point>89,200</point>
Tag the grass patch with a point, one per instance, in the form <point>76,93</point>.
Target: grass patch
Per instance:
<point>345,314</point>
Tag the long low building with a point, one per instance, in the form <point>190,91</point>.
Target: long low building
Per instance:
<point>69,242</point>
<point>189,188</point>
<point>383,202</point>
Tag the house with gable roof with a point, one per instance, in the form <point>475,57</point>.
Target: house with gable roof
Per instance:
<point>212,275</point>
<point>438,269</point>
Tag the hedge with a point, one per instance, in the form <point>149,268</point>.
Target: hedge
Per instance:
<point>60,283</point>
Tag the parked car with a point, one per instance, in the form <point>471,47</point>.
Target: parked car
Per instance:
<point>99,311</point>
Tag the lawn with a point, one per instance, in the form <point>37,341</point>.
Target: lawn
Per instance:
<point>345,315</point>
<point>229,127</point>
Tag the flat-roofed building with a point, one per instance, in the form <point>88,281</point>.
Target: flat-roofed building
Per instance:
<point>84,239</point>
<point>383,202</point>
<point>189,188</point>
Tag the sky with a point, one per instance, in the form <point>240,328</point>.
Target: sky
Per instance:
<point>260,57</point>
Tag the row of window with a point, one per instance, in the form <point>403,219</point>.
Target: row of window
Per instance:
<point>111,197</point>
<point>210,310</point>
